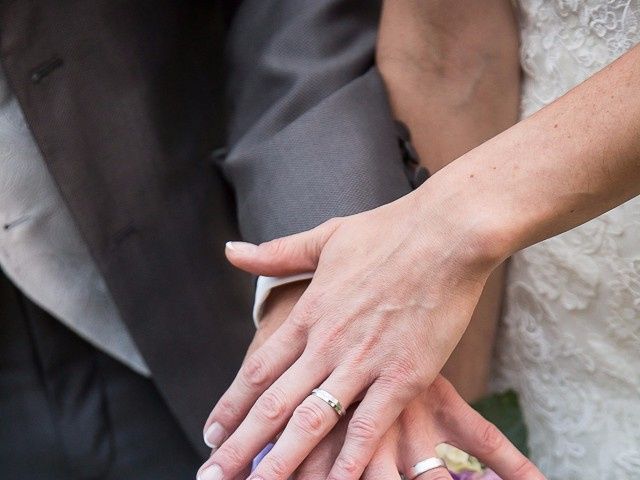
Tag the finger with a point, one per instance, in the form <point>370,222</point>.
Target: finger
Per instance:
<point>383,464</point>
<point>416,448</point>
<point>318,463</point>
<point>468,430</point>
<point>243,474</point>
<point>418,441</point>
<point>257,373</point>
<point>373,417</point>
<point>312,420</point>
<point>440,473</point>
<point>269,415</point>
<point>290,255</point>
<point>422,450</point>
<point>485,441</point>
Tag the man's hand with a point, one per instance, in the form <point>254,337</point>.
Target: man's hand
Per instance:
<point>438,415</point>
<point>276,309</point>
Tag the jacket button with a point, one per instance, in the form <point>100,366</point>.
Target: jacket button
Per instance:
<point>44,69</point>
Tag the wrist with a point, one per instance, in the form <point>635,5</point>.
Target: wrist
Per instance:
<point>276,310</point>
<point>280,302</point>
<point>482,231</point>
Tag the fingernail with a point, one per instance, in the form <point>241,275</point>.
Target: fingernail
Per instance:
<point>241,247</point>
<point>215,435</point>
<point>213,472</point>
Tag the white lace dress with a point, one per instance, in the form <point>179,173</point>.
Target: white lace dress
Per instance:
<point>570,339</point>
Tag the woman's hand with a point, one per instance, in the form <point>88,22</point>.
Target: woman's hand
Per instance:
<point>377,329</point>
<point>435,416</point>
<point>276,309</point>
<point>468,53</point>
<point>374,320</point>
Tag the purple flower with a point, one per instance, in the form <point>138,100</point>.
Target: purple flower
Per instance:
<point>486,474</point>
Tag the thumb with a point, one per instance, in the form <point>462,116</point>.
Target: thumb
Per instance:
<point>290,255</point>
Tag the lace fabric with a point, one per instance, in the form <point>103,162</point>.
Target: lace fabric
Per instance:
<point>570,338</point>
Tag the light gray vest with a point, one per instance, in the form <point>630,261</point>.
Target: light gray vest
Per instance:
<point>41,250</point>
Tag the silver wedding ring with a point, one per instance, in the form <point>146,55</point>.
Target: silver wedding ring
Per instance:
<point>424,466</point>
<point>330,400</point>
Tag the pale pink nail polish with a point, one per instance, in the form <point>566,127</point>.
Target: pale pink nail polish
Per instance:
<point>241,247</point>
<point>215,435</point>
<point>213,472</point>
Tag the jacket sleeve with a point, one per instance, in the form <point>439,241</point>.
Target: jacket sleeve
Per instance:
<point>311,134</point>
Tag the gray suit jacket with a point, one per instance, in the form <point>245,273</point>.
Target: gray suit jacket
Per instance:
<point>125,100</point>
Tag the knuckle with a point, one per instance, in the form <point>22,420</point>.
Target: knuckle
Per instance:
<point>321,347</point>
<point>439,388</point>
<point>256,371</point>
<point>226,411</point>
<point>336,331</point>
<point>387,384</point>
<point>304,315</point>
<point>276,246</point>
<point>298,321</point>
<point>310,418</point>
<point>230,456</point>
<point>447,404</point>
<point>362,429</point>
<point>404,369</point>
<point>402,373</point>
<point>525,469</point>
<point>490,438</point>
<point>363,375</point>
<point>275,467</point>
<point>308,309</point>
<point>332,223</point>
<point>346,468</point>
<point>271,405</point>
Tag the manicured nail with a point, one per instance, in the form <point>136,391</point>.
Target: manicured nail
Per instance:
<point>242,247</point>
<point>213,472</point>
<point>215,435</point>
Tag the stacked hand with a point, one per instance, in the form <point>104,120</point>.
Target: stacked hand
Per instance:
<point>374,335</point>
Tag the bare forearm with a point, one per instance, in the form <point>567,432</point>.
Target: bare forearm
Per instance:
<point>570,162</point>
<point>452,72</point>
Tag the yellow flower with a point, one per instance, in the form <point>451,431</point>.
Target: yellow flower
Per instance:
<point>457,460</point>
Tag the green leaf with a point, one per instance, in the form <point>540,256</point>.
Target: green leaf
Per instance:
<point>503,410</point>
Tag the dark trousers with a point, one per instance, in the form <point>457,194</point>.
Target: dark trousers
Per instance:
<point>68,411</point>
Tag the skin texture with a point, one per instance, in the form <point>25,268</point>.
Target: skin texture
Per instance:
<point>568,163</point>
<point>276,309</point>
<point>497,65</point>
<point>437,415</point>
<point>452,70</point>
<point>377,321</point>
<point>476,74</point>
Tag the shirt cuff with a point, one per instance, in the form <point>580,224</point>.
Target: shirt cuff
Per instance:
<point>264,286</point>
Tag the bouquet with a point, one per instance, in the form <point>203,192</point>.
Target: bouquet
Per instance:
<point>463,466</point>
